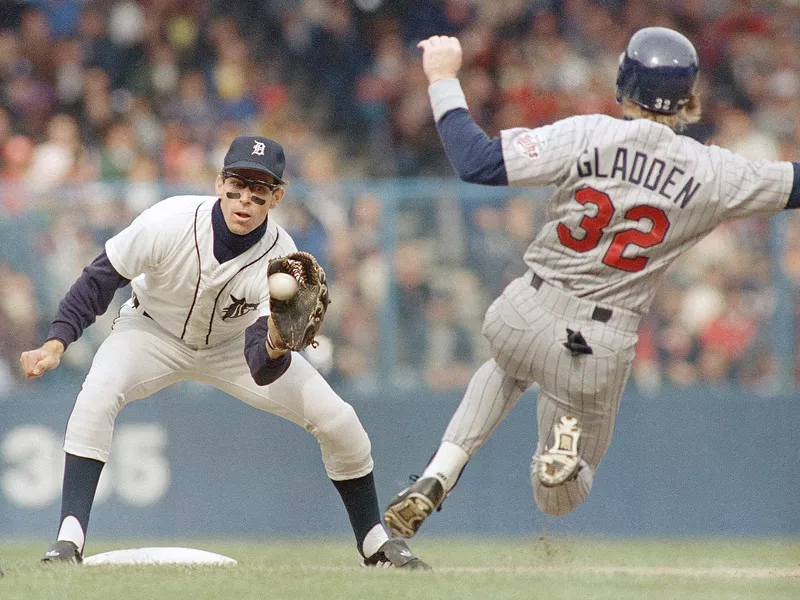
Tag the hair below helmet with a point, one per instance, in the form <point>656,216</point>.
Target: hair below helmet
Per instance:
<point>658,70</point>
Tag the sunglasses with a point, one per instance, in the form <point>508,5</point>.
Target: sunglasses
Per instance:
<point>258,188</point>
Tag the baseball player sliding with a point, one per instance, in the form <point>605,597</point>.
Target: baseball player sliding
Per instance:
<point>631,195</point>
<point>201,310</point>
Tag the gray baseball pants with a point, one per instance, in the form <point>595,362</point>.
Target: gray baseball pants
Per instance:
<point>526,327</point>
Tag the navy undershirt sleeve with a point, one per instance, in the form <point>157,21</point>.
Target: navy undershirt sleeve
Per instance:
<point>227,246</point>
<point>475,157</point>
<point>88,297</point>
<point>264,369</point>
<point>794,195</point>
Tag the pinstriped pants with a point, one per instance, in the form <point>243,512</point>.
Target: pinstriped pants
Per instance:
<point>526,329</point>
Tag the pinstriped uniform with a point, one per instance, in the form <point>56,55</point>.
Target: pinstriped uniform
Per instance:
<point>630,197</point>
<point>581,152</point>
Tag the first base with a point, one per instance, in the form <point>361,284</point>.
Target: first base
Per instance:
<point>159,556</point>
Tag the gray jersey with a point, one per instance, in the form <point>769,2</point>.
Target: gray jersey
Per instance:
<point>637,197</point>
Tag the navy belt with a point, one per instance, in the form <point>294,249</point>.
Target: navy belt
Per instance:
<point>603,315</point>
<point>136,305</point>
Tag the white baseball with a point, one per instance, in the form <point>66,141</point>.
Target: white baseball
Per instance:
<point>282,286</point>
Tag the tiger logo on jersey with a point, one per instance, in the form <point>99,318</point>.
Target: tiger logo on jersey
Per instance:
<point>237,308</point>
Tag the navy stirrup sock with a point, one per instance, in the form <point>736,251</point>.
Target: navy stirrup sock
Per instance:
<point>80,484</point>
<point>361,501</point>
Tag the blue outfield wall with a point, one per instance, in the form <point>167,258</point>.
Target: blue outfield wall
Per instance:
<point>191,461</point>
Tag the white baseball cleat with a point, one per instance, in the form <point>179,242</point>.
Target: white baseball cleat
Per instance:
<point>561,461</point>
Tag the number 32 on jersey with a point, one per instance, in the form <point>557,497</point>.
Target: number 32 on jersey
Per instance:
<point>594,226</point>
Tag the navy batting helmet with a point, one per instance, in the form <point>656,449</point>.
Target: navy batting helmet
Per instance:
<point>658,70</point>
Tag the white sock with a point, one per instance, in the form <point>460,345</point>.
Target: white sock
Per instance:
<point>374,540</point>
<point>71,530</point>
<point>449,460</point>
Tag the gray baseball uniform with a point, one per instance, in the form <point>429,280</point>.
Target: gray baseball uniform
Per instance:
<point>630,197</point>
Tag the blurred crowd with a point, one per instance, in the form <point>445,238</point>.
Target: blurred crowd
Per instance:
<point>106,107</point>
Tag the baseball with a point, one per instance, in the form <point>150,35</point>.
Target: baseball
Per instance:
<point>282,286</point>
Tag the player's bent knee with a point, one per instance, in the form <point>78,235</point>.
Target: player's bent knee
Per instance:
<point>345,445</point>
<point>91,425</point>
<point>336,423</point>
<point>560,500</point>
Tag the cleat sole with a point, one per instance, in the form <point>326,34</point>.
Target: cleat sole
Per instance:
<point>405,516</point>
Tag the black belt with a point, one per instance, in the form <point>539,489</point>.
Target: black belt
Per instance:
<point>603,315</point>
<point>136,305</point>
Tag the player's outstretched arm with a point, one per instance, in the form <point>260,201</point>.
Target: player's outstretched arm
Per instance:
<point>474,156</point>
<point>265,365</point>
<point>441,57</point>
<point>46,358</point>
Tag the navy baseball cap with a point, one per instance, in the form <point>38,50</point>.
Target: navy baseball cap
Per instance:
<point>258,154</point>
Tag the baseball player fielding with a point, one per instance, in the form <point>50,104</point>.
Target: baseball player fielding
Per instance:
<point>282,286</point>
<point>200,309</point>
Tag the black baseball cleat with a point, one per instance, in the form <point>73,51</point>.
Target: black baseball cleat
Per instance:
<point>413,505</point>
<point>395,553</point>
<point>63,551</point>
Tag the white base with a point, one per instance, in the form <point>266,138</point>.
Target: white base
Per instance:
<point>159,556</point>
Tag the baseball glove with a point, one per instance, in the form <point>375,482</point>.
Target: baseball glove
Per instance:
<point>298,319</point>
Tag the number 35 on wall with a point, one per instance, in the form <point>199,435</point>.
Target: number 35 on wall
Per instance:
<point>33,466</point>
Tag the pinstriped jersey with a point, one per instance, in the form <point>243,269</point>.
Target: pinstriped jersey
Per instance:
<point>630,197</point>
<point>168,253</point>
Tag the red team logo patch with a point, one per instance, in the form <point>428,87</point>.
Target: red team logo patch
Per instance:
<point>527,143</point>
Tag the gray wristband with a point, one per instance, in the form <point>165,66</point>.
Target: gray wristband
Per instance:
<point>446,94</point>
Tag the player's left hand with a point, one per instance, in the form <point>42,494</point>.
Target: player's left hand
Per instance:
<point>293,323</point>
<point>441,57</point>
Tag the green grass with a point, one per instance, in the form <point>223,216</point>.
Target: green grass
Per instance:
<point>493,569</point>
